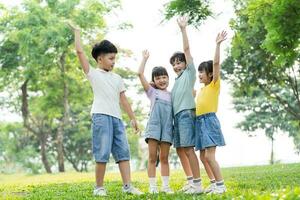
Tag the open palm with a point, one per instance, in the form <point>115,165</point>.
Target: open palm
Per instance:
<point>221,37</point>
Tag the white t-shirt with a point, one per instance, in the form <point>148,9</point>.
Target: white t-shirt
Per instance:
<point>107,87</point>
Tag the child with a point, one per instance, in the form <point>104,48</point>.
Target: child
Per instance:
<point>208,130</point>
<point>184,110</point>
<point>160,125</point>
<point>108,129</point>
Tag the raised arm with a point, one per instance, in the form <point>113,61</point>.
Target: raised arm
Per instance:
<point>79,50</point>
<point>142,78</point>
<point>127,108</point>
<point>216,63</point>
<point>182,22</point>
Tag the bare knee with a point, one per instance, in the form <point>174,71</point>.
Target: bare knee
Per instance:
<point>189,151</point>
<point>152,158</point>
<point>164,159</point>
<point>209,158</point>
<point>202,157</point>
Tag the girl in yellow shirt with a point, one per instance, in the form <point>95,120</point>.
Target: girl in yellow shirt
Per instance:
<point>208,130</point>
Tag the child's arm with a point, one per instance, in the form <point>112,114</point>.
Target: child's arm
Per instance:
<point>143,80</point>
<point>182,22</point>
<point>216,64</point>
<point>126,106</point>
<point>79,50</point>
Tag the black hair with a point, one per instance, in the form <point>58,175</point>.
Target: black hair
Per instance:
<point>206,66</point>
<point>103,47</point>
<point>177,56</point>
<point>159,71</point>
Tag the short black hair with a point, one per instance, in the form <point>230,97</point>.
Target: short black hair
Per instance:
<point>206,66</point>
<point>177,56</point>
<point>103,47</point>
<point>159,71</point>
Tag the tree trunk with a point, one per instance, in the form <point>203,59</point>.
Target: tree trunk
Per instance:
<point>42,136</point>
<point>45,161</point>
<point>60,132</point>
<point>272,151</point>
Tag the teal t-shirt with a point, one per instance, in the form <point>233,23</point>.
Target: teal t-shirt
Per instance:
<point>182,92</point>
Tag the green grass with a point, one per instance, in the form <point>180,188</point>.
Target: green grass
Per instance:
<point>281,181</point>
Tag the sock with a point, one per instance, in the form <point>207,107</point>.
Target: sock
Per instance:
<point>165,181</point>
<point>189,179</point>
<point>126,186</point>
<point>220,183</point>
<point>197,182</point>
<point>152,181</point>
<point>212,181</point>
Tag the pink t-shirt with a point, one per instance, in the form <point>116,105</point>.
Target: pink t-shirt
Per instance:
<point>152,93</point>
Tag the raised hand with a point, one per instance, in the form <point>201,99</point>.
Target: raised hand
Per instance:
<point>73,26</point>
<point>145,54</point>
<point>221,37</point>
<point>182,21</point>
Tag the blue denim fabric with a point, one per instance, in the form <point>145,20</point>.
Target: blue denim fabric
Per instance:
<point>208,131</point>
<point>109,137</point>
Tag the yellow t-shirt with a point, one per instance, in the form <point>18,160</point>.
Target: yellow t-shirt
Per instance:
<point>207,98</point>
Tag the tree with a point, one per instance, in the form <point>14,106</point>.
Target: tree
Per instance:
<point>37,56</point>
<point>263,65</point>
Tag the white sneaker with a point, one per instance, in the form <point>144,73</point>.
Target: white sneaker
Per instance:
<point>185,187</point>
<point>210,188</point>
<point>132,190</point>
<point>194,190</point>
<point>218,189</point>
<point>99,192</point>
<point>167,190</point>
<point>153,190</point>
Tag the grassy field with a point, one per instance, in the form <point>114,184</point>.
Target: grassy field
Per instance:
<point>281,181</point>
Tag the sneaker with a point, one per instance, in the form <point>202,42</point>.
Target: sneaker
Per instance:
<point>218,189</point>
<point>100,191</point>
<point>132,190</point>
<point>210,188</point>
<point>185,187</point>
<point>167,190</point>
<point>153,190</point>
<point>194,190</point>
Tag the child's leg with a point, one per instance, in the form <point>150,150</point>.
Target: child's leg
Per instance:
<point>214,166</point>
<point>152,148</point>
<point>164,158</point>
<point>184,162</point>
<point>206,165</point>
<point>164,167</point>
<point>193,161</point>
<point>124,167</point>
<point>99,172</point>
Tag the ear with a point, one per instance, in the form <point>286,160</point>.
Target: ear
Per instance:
<point>210,75</point>
<point>99,59</point>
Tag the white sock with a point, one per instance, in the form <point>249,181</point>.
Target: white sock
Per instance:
<point>165,181</point>
<point>152,181</point>
<point>197,182</point>
<point>189,180</point>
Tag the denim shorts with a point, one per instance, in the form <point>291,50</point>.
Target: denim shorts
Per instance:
<point>184,129</point>
<point>208,131</point>
<point>109,137</point>
<point>160,124</point>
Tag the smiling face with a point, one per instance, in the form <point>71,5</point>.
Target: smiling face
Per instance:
<point>204,77</point>
<point>107,61</point>
<point>178,66</point>
<point>161,82</point>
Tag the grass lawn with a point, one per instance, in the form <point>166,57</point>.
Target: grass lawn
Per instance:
<point>281,181</point>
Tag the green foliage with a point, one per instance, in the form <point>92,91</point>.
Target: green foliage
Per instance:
<point>263,65</point>
<point>260,182</point>
<point>197,10</point>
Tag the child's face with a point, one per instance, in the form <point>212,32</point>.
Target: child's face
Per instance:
<point>107,61</point>
<point>178,66</point>
<point>204,77</point>
<point>161,82</point>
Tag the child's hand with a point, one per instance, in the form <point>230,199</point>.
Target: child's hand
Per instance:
<point>221,37</point>
<point>182,21</point>
<point>145,54</point>
<point>135,126</point>
<point>73,26</point>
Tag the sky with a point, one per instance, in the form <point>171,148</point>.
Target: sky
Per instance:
<point>162,40</point>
